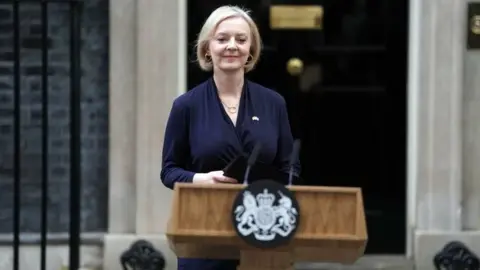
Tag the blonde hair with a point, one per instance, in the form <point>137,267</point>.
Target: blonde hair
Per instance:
<point>217,16</point>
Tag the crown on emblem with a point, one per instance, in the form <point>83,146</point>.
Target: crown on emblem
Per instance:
<point>265,198</point>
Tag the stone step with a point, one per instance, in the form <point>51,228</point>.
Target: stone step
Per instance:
<point>368,262</point>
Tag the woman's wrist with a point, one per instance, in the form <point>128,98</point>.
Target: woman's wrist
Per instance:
<point>199,177</point>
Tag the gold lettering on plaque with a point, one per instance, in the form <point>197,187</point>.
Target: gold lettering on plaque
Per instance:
<point>475,24</point>
<point>296,17</point>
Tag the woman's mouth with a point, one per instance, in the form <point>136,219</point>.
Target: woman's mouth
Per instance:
<point>231,58</point>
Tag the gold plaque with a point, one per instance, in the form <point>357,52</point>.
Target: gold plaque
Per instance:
<point>296,17</point>
<point>475,25</point>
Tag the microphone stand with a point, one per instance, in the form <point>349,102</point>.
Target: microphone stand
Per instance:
<point>251,161</point>
<point>293,158</point>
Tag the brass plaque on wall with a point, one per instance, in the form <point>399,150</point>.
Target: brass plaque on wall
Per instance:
<point>473,28</point>
<point>296,17</point>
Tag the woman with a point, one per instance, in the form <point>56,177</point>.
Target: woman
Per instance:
<point>225,116</point>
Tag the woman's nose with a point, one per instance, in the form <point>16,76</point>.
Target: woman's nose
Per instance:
<point>231,44</point>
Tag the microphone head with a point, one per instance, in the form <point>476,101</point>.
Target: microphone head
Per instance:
<point>254,155</point>
<point>295,151</point>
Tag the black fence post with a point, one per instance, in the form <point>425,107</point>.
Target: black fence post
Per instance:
<point>16,135</point>
<point>45,127</point>
<point>75,134</point>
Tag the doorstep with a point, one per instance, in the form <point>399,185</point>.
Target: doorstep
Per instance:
<point>367,262</point>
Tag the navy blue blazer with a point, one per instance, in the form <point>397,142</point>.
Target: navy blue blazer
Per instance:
<point>200,137</point>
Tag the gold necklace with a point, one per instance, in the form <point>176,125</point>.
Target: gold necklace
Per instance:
<point>230,109</point>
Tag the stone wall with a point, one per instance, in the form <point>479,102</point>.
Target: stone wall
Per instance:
<point>147,71</point>
<point>471,136</point>
<point>94,51</point>
<point>443,131</point>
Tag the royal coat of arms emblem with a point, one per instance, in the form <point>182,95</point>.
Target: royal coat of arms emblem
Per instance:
<point>265,214</point>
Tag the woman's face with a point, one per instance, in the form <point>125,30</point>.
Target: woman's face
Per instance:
<point>230,45</point>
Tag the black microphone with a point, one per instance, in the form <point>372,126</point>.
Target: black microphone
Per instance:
<point>293,159</point>
<point>251,161</point>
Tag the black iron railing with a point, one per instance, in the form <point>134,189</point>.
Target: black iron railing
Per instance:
<point>456,255</point>
<point>75,113</point>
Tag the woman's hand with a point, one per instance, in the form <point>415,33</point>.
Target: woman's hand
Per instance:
<point>213,178</point>
<point>218,177</point>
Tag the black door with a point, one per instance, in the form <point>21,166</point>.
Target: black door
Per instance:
<point>348,105</point>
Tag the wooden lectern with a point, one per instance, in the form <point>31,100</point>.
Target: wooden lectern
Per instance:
<point>332,227</point>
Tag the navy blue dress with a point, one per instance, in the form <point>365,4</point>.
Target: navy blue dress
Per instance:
<point>200,137</point>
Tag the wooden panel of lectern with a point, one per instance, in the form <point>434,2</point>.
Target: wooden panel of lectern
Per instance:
<point>332,227</point>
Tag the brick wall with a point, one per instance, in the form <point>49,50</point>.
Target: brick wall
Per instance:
<point>94,113</point>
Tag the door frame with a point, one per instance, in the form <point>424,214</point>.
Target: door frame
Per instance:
<point>411,181</point>
<point>413,91</point>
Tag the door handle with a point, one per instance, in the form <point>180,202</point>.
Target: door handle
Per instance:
<point>295,66</point>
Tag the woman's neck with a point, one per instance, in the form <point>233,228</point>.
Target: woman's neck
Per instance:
<point>230,84</point>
